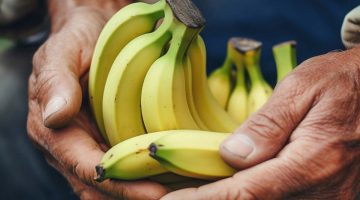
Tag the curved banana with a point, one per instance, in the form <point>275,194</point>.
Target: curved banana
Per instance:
<point>220,82</point>
<point>122,93</point>
<point>130,160</point>
<point>190,93</point>
<point>238,101</point>
<point>260,90</point>
<point>192,153</point>
<point>163,100</point>
<point>131,21</point>
<point>285,58</point>
<point>210,111</point>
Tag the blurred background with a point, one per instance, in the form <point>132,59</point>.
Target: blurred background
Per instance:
<point>24,25</point>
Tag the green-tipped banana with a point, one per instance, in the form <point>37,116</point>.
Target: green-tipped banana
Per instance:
<point>285,58</point>
<point>220,82</point>
<point>130,160</point>
<point>260,90</point>
<point>210,111</point>
<point>122,94</point>
<point>237,106</point>
<point>192,153</point>
<point>130,22</point>
<point>163,100</point>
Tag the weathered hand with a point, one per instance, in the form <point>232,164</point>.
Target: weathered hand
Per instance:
<point>56,87</point>
<point>303,144</point>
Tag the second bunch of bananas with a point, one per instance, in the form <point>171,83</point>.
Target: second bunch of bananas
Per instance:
<point>230,87</point>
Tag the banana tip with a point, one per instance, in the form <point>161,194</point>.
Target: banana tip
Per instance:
<point>100,173</point>
<point>152,149</point>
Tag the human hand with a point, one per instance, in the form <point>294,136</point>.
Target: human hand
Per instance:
<point>56,87</point>
<point>303,144</point>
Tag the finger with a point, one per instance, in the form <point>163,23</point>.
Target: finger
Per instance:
<point>265,132</point>
<point>350,30</point>
<point>82,190</point>
<point>79,154</point>
<point>299,168</point>
<point>58,66</point>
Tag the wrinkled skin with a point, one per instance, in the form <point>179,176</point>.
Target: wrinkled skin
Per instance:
<point>306,139</point>
<point>60,69</point>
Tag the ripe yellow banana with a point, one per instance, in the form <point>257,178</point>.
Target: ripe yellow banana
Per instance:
<point>130,22</point>
<point>210,111</point>
<point>220,82</point>
<point>163,100</point>
<point>237,106</point>
<point>260,90</point>
<point>122,94</point>
<point>190,94</point>
<point>130,160</point>
<point>192,153</point>
<point>285,58</point>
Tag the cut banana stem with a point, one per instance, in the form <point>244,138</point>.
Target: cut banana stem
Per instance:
<point>122,93</point>
<point>285,58</point>
<point>210,111</point>
<point>163,100</point>
<point>192,153</point>
<point>135,19</point>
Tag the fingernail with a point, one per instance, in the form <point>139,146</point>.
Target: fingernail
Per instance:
<point>54,105</point>
<point>239,145</point>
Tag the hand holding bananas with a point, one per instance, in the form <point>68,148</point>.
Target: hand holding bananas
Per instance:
<point>56,87</point>
<point>304,141</point>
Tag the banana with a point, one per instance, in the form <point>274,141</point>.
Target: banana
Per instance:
<point>163,100</point>
<point>130,22</point>
<point>192,153</point>
<point>122,94</point>
<point>260,90</point>
<point>190,94</point>
<point>285,58</point>
<point>220,82</point>
<point>237,106</point>
<point>130,160</point>
<point>210,111</point>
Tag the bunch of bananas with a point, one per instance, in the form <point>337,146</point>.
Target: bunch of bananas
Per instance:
<point>230,87</point>
<point>149,95</point>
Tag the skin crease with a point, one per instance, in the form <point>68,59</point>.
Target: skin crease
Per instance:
<point>60,69</point>
<point>307,136</point>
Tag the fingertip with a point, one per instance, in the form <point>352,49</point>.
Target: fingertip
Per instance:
<point>237,149</point>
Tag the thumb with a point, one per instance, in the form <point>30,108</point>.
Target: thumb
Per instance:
<point>55,80</point>
<point>265,132</point>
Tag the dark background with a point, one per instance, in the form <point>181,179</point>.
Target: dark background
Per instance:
<point>314,24</point>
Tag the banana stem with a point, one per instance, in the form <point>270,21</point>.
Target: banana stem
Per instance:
<point>240,77</point>
<point>252,59</point>
<point>285,58</point>
<point>227,65</point>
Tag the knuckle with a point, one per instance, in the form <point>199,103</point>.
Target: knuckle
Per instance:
<point>267,126</point>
